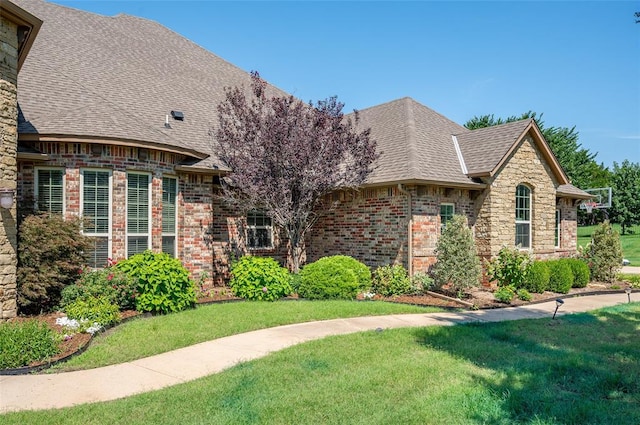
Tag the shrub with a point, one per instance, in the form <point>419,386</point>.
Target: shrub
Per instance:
<point>117,286</point>
<point>537,277</point>
<point>26,342</point>
<point>560,276</point>
<point>421,282</point>
<point>93,310</point>
<point>162,281</point>
<point>604,253</point>
<point>259,279</point>
<point>335,277</point>
<point>50,253</point>
<point>391,280</point>
<point>523,294</point>
<point>580,270</point>
<point>458,265</point>
<point>509,267</point>
<point>505,294</point>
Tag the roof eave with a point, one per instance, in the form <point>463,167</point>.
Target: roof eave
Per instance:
<point>470,185</point>
<point>21,17</point>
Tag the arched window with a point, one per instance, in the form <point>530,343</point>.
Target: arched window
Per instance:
<point>523,216</point>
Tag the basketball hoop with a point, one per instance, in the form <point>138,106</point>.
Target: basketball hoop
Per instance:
<point>588,206</point>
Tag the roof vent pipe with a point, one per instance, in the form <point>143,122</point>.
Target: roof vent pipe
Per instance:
<point>166,122</point>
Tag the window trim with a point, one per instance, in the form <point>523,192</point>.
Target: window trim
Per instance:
<point>558,233</point>
<point>36,192</point>
<point>149,213</point>
<point>451,204</point>
<point>175,227</point>
<point>268,228</point>
<point>109,234</point>
<point>520,221</point>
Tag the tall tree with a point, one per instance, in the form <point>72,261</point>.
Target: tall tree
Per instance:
<point>579,164</point>
<point>286,155</point>
<point>625,182</point>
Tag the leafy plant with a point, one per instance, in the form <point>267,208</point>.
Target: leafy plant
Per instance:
<point>92,310</point>
<point>260,279</point>
<point>524,295</point>
<point>537,277</point>
<point>26,342</point>
<point>116,285</point>
<point>163,282</point>
<point>391,280</point>
<point>560,276</point>
<point>580,270</point>
<point>458,266</point>
<point>335,277</point>
<point>604,253</point>
<point>51,251</point>
<point>505,294</point>
<point>509,267</point>
<point>421,282</point>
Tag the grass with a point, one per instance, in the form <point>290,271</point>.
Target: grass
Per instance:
<point>145,337</point>
<point>630,242</point>
<point>579,369</point>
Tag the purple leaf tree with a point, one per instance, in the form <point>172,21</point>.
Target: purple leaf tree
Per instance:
<point>285,156</point>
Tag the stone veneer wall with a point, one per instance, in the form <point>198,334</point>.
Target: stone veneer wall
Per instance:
<point>8,138</point>
<point>495,226</point>
<point>195,196</point>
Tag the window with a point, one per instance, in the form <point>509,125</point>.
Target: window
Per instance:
<point>138,213</point>
<point>557,230</point>
<point>169,198</point>
<point>523,216</point>
<point>96,213</point>
<point>49,190</point>
<point>446,213</point>
<point>259,230</point>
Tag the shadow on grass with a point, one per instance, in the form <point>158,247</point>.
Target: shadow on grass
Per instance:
<point>580,369</point>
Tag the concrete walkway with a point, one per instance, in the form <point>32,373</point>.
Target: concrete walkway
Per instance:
<point>33,392</point>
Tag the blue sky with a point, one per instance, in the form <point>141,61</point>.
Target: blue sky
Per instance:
<point>578,62</point>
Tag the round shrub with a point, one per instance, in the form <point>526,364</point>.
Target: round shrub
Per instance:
<point>335,277</point>
<point>93,310</point>
<point>523,294</point>
<point>259,279</point>
<point>163,283</point>
<point>391,280</point>
<point>560,277</point>
<point>537,278</point>
<point>581,272</point>
<point>422,282</point>
<point>26,342</point>
<point>505,294</point>
<point>117,286</point>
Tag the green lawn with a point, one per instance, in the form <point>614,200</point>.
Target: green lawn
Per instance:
<point>579,369</point>
<point>148,336</point>
<point>630,242</point>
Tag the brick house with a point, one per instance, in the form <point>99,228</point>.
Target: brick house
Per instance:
<point>114,123</point>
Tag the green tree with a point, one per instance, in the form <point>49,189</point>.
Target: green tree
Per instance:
<point>625,183</point>
<point>578,163</point>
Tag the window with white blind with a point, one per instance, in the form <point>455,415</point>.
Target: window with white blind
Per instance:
<point>49,190</point>
<point>96,213</point>
<point>169,214</point>
<point>523,216</point>
<point>138,213</point>
<point>557,230</point>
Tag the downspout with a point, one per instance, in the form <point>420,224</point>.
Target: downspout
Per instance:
<point>410,228</point>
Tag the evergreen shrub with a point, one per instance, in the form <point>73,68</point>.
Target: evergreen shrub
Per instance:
<point>560,276</point>
<point>391,280</point>
<point>580,270</point>
<point>604,253</point>
<point>163,283</point>
<point>335,277</point>
<point>120,288</point>
<point>537,277</point>
<point>259,279</point>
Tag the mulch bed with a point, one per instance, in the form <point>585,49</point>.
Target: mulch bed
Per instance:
<point>481,297</point>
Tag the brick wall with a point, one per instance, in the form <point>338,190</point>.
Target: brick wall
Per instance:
<point>8,138</point>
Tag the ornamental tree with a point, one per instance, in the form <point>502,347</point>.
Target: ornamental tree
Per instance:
<point>286,155</point>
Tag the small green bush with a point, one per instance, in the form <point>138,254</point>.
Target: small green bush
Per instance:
<point>51,251</point>
<point>259,279</point>
<point>580,270</point>
<point>524,295</point>
<point>93,310</point>
<point>335,277</point>
<point>505,294</point>
<point>422,282</point>
<point>391,280</point>
<point>26,342</point>
<point>509,267</point>
<point>457,266</point>
<point>537,278</point>
<point>604,253</point>
<point>163,283</point>
<point>117,286</point>
<point>560,276</point>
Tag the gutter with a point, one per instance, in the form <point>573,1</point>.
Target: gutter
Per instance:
<point>402,190</point>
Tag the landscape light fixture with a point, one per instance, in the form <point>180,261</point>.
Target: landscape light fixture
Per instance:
<point>628,291</point>
<point>559,302</point>
<point>6,198</point>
